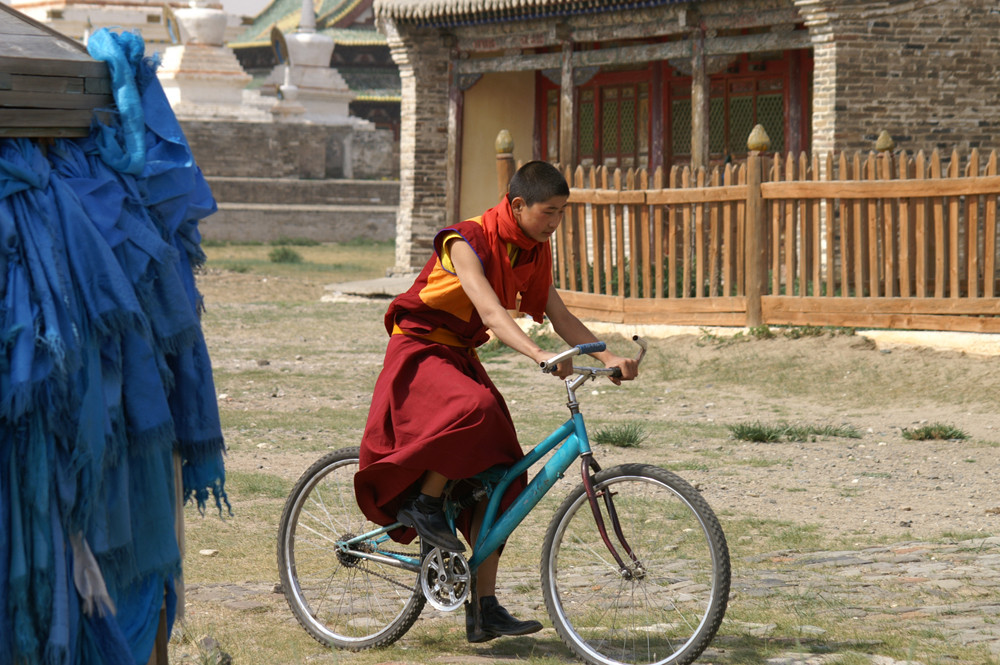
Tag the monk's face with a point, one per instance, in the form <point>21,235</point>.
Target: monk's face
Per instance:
<point>539,220</point>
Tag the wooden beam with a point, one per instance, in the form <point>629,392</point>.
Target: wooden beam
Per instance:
<point>771,41</point>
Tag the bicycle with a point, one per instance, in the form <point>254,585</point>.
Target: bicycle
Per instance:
<point>634,564</point>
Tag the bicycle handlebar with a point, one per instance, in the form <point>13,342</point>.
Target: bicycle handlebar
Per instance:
<point>549,366</point>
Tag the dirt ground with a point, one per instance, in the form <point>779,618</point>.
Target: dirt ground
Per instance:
<point>693,385</point>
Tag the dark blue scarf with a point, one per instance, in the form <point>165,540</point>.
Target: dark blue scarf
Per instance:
<point>104,375</point>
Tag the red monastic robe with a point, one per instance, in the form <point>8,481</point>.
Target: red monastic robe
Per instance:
<point>434,407</point>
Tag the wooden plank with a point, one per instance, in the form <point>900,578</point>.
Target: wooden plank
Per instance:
<point>813,223</point>
<point>728,241</point>
<point>791,238</point>
<point>892,321</point>
<point>741,235</point>
<point>699,239</point>
<point>687,305</point>
<point>607,196</point>
<point>954,265</point>
<point>889,237</point>
<point>37,131</point>
<point>990,222</point>
<point>672,236</point>
<point>936,306</point>
<point>606,244</point>
<point>860,237</point>
<point>686,236</point>
<point>619,238</point>
<point>645,241</point>
<point>854,189</point>
<point>874,235</point>
<point>658,235</point>
<point>972,232</point>
<point>921,232</point>
<point>43,66</point>
<point>19,118</point>
<point>706,195</point>
<point>19,82</point>
<point>595,306</point>
<point>52,100</point>
<point>776,231</point>
<point>906,245</point>
<point>581,240</point>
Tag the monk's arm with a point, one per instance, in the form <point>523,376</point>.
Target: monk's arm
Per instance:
<point>484,299</point>
<point>574,332</point>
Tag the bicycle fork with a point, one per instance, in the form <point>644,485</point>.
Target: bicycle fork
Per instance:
<point>636,571</point>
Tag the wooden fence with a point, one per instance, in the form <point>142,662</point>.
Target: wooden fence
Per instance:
<point>879,240</point>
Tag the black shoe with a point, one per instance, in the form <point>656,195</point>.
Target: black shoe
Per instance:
<point>425,514</point>
<point>496,621</point>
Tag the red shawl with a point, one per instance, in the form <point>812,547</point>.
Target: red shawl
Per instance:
<point>532,273</point>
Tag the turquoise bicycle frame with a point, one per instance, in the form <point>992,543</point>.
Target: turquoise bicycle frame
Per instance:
<point>495,531</point>
<point>572,434</point>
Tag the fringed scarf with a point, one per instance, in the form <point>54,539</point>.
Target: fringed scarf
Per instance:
<point>103,375</point>
<point>531,274</point>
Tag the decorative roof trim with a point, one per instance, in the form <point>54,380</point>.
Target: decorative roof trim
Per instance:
<point>454,13</point>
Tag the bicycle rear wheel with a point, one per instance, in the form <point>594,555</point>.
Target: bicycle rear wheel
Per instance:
<point>669,606</point>
<point>342,600</point>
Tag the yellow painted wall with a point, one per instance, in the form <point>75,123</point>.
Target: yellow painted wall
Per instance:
<point>495,102</point>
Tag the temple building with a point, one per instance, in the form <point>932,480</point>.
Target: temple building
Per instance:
<point>657,83</point>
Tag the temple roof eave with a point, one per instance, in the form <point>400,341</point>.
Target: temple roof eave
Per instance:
<point>453,13</point>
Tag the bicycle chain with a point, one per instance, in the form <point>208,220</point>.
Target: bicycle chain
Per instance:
<point>388,579</point>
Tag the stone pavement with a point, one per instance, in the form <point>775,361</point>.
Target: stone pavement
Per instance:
<point>948,594</point>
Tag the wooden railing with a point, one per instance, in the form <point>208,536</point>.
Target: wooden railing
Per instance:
<point>878,240</point>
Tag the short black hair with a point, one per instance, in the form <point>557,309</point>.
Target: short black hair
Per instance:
<point>537,181</point>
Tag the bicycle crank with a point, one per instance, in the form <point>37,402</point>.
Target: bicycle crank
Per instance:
<point>445,579</point>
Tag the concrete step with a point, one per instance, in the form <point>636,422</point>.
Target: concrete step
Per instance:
<point>266,222</point>
<point>304,192</point>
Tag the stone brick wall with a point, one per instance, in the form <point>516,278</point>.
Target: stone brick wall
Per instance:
<point>923,70</point>
<point>425,176</point>
<point>278,150</point>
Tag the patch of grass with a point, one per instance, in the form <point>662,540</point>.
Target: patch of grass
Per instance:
<point>934,432</point>
<point>765,433</point>
<point>625,435</point>
<point>284,254</point>
<point>248,485</point>
<point>296,242</point>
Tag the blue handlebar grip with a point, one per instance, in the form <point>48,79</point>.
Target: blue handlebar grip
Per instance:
<point>593,347</point>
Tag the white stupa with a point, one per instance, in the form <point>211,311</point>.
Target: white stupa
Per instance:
<point>202,77</point>
<point>306,80</point>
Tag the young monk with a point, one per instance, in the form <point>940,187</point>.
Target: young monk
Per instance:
<point>435,415</point>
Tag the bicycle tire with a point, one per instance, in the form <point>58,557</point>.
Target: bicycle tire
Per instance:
<point>341,601</point>
<point>667,616</point>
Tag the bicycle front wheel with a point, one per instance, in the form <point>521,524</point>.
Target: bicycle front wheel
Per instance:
<point>667,606</point>
<point>340,599</point>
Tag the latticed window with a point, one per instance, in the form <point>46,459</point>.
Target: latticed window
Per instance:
<point>585,128</point>
<point>771,114</point>
<point>741,122</point>
<point>717,125</point>
<point>680,127</point>
<point>552,126</point>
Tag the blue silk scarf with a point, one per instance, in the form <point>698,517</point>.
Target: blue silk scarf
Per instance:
<point>104,375</point>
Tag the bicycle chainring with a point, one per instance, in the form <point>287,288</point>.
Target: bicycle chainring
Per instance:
<point>445,579</point>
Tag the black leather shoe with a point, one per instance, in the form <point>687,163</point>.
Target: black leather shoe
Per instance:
<point>496,621</point>
<point>425,514</point>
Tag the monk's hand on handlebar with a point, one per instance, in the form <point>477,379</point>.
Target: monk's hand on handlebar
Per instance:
<point>551,365</point>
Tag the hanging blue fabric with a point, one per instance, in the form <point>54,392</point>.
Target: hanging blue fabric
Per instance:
<point>104,375</point>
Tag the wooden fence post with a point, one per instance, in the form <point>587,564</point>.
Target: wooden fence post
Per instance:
<point>756,240</point>
<point>504,146</point>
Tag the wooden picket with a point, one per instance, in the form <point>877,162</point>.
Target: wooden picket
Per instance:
<point>880,239</point>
